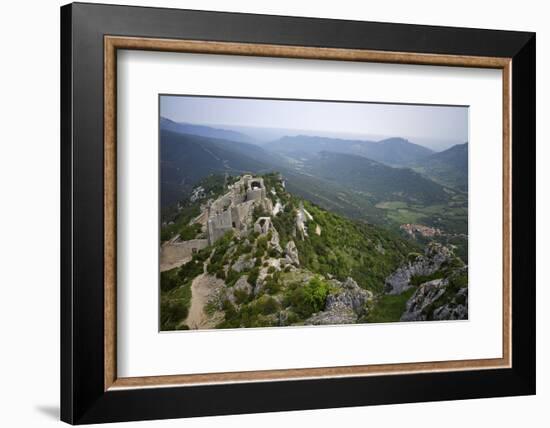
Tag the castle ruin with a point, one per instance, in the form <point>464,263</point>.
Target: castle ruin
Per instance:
<point>232,211</point>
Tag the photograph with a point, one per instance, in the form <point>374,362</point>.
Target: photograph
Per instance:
<point>288,212</point>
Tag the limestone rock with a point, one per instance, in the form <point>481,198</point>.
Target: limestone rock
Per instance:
<point>243,263</point>
<point>291,253</point>
<point>456,310</point>
<point>426,294</point>
<point>434,256</point>
<point>275,241</point>
<point>349,295</point>
<point>340,313</point>
<point>241,285</point>
<point>343,306</point>
<point>423,305</point>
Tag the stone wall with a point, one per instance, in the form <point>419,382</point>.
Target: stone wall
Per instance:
<point>254,194</point>
<point>219,224</point>
<point>175,254</point>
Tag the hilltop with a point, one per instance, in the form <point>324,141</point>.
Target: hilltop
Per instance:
<point>449,167</point>
<point>243,251</point>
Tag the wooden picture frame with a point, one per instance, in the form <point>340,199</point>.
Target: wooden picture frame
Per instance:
<point>91,390</point>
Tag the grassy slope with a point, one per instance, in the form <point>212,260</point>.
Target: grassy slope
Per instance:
<point>345,247</point>
<point>389,308</point>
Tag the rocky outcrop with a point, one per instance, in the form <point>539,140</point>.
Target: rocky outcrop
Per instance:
<point>344,305</point>
<point>241,286</point>
<point>275,241</point>
<point>351,295</point>
<point>291,253</point>
<point>243,263</point>
<point>456,309</point>
<point>425,295</point>
<point>302,217</point>
<point>339,314</point>
<point>437,300</point>
<point>428,263</point>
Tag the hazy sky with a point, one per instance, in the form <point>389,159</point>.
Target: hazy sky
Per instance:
<point>421,122</point>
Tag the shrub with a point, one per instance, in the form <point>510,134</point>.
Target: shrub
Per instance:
<point>232,277</point>
<point>272,285</point>
<point>229,309</point>
<point>220,273</point>
<point>241,296</point>
<point>172,312</point>
<point>455,262</point>
<point>267,305</point>
<point>188,232</point>
<point>168,281</point>
<point>190,270</point>
<point>310,298</point>
<point>261,243</point>
<point>253,276</point>
<point>165,234</point>
<point>259,212</point>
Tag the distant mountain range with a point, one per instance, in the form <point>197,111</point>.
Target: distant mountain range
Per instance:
<point>391,151</point>
<point>379,181</point>
<point>186,159</point>
<point>204,131</point>
<point>346,176</point>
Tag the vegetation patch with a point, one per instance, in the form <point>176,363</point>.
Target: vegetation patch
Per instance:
<point>174,304</point>
<point>389,307</point>
<point>416,280</point>
<point>347,248</point>
<point>305,300</point>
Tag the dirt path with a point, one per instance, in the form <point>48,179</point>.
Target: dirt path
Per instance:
<point>202,288</point>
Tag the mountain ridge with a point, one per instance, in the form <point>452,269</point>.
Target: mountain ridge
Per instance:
<point>204,130</point>
<point>391,151</point>
<point>381,181</point>
<point>449,167</point>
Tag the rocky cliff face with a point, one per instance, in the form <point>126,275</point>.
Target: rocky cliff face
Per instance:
<point>434,256</point>
<point>440,299</point>
<point>346,303</point>
<point>441,282</point>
